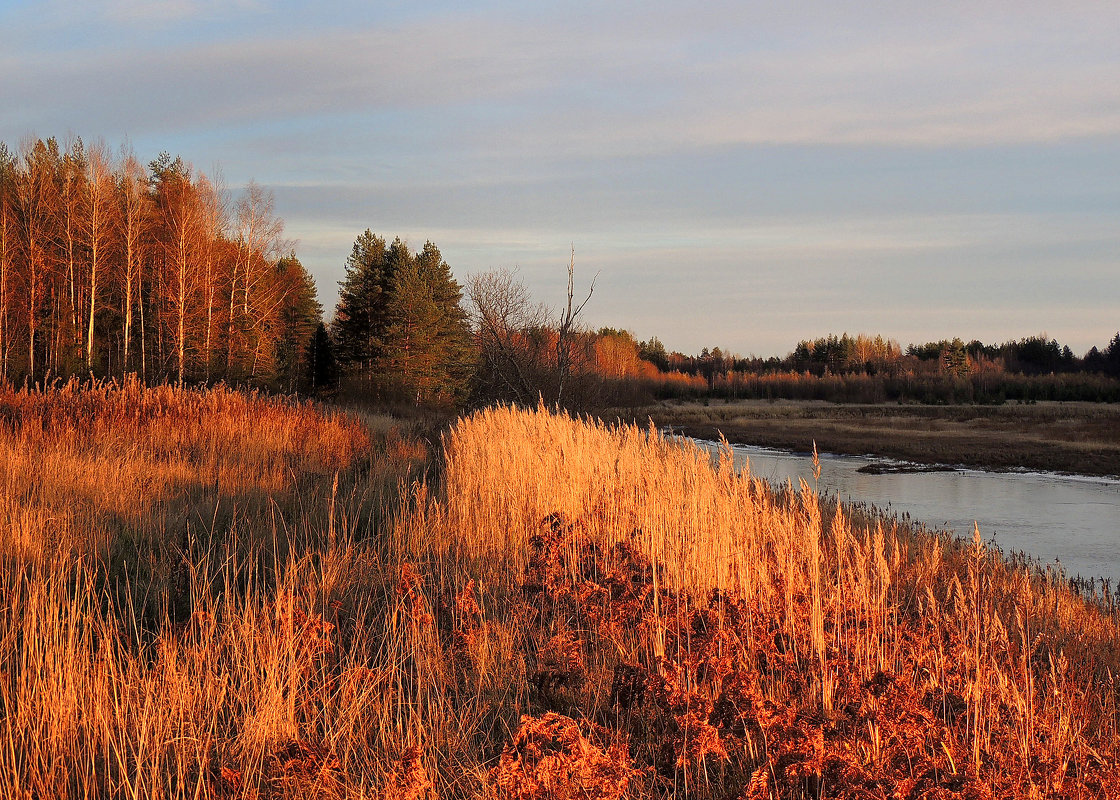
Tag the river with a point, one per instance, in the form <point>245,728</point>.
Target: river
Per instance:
<point>1072,519</point>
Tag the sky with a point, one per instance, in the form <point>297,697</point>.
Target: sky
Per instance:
<point>733,174</point>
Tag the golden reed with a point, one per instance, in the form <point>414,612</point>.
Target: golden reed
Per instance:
<point>218,595</point>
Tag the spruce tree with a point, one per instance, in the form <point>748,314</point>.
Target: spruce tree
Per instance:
<point>322,371</point>
<point>427,344</point>
<point>359,321</point>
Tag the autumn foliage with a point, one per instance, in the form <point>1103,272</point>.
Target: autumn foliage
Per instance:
<point>110,268</point>
<point>217,595</point>
<point>751,644</point>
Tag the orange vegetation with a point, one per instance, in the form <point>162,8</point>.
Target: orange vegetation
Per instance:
<point>566,610</point>
<point>751,644</point>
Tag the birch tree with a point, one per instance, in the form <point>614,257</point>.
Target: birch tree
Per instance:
<point>99,226</point>
<point>73,182</point>
<point>258,238</point>
<point>182,217</point>
<point>213,221</point>
<point>35,204</point>
<point>136,213</point>
<point>7,254</point>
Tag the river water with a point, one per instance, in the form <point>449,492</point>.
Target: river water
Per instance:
<point>1074,520</point>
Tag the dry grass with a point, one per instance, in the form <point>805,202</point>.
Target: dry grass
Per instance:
<point>753,645</point>
<point>573,610</point>
<point>184,595</point>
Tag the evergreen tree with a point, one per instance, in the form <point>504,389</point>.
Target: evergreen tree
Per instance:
<point>954,358</point>
<point>1112,355</point>
<point>298,316</point>
<point>322,371</point>
<point>427,344</point>
<point>653,351</point>
<point>359,322</point>
<point>399,323</point>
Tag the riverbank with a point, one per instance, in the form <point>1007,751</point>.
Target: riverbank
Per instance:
<point>1078,438</point>
<point>572,610</point>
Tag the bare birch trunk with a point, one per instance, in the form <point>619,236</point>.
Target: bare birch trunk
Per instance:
<point>100,195</point>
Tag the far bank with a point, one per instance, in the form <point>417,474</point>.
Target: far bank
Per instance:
<point>1080,438</point>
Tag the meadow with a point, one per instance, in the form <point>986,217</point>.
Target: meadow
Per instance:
<point>209,594</point>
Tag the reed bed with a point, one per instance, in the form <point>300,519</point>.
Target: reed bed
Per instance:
<point>215,595</point>
<point>185,583</point>
<point>708,637</point>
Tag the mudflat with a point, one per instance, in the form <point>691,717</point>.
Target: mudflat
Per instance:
<point>1079,438</point>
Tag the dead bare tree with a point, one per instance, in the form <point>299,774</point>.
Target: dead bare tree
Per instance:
<point>502,313</point>
<point>566,328</point>
<point>527,353</point>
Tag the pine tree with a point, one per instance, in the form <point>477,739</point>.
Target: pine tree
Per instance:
<point>298,317</point>
<point>322,371</point>
<point>399,324</point>
<point>359,323</point>
<point>1112,355</point>
<point>427,344</point>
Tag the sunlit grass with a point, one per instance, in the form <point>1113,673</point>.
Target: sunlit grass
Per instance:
<point>777,644</point>
<point>184,589</point>
<point>217,595</point>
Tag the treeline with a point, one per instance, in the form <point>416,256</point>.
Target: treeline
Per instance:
<point>112,268</point>
<point>518,342</point>
<point>109,267</point>
<point>873,369</point>
<point>862,354</point>
<point>405,329</point>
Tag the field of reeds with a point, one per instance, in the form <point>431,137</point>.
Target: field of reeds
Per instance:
<point>214,595</point>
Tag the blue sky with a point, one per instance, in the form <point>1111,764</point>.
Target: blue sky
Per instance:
<point>737,174</point>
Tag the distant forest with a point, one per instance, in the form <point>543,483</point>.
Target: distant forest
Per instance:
<point>112,268</point>
<point>874,369</point>
<point>1033,355</point>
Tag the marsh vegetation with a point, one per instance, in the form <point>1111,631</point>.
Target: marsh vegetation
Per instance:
<point>220,595</point>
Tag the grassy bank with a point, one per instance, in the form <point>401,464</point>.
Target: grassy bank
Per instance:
<point>221,596</point>
<point>1081,438</point>
<point>174,576</point>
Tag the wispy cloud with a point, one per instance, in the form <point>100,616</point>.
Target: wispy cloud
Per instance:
<point>162,12</point>
<point>806,164</point>
<point>554,84</point>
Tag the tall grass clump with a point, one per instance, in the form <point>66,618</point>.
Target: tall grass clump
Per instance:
<point>709,637</point>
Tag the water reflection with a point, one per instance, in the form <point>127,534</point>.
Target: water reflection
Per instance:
<point>1052,517</point>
